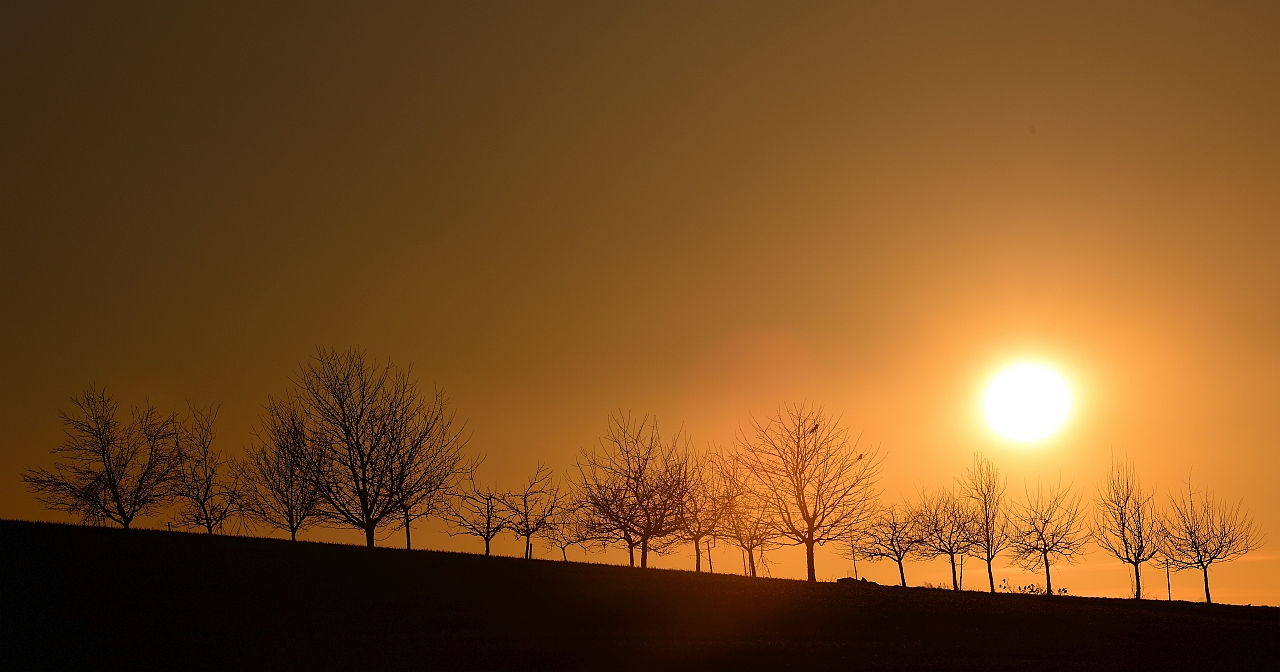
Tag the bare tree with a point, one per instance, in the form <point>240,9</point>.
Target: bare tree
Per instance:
<point>532,510</point>
<point>371,432</point>
<point>817,485</point>
<point>983,486</point>
<point>1126,522</point>
<point>747,520</point>
<point>477,511</point>
<point>568,527</point>
<point>1201,533</point>
<point>277,489</point>
<point>205,483</point>
<point>892,535</point>
<point>428,453</point>
<point>1048,528</point>
<point>634,484</point>
<point>945,522</point>
<point>111,471</point>
<point>703,506</point>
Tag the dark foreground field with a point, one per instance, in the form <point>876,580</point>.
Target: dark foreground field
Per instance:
<point>81,598</point>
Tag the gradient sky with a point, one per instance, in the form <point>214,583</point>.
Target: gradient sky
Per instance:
<point>692,210</point>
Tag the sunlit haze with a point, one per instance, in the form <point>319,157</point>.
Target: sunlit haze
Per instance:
<point>1027,402</point>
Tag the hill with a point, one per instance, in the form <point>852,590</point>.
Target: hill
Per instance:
<point>79,597</point>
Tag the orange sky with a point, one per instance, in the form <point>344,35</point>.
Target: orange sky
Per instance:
<point>697,212</point>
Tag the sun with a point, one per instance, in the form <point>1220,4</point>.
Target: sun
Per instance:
<point>1027,402</point>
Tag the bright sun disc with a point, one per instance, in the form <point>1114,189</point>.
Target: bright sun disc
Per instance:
<point>1027,402</point>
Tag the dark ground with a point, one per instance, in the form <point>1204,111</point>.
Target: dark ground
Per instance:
<point>80,597</point>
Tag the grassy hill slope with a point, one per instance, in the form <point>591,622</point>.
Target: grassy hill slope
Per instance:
<point>78,597</point>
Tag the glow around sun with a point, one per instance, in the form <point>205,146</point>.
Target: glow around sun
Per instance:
<point>1027,402</point>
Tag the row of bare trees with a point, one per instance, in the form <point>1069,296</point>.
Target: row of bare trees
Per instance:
<point>1049,526</point>
<point>358,445</point>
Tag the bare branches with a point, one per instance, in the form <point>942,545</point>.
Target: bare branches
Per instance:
<point>747,520</point>
<point>983,486</point>
<point>1048,528</point>
<point>816,484</point>
<point>277,489</point>
<point>704,504</point>
<point>204,483</point>
<point>945,523</point>
<point>477,511</point>
<point>1202,530</point>
<point>893,535</point>
<point>428,456</point>
<point>532,510</point>
<point>111,471</point>
<point>1126,522</point>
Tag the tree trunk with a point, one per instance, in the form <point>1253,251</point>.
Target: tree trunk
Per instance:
<point>564,553</point>
<point>1207,598</point>
<point>808,556</point>
<point>991,578</point>
<point>902,574</point>
<point>955,585</point>
<point>631,554</point>
<point>528,547</point>
<point>710,568</point>
<point>1137,581</point>
<point>486,545</point>
<point>644,553</point>
<point>293,535</point>
<point>1048,581</point>
<point>368,536</point>
<point>751,562</point>
<point>697,555</point>
<point>1168,582</point>
<point>408,543</point>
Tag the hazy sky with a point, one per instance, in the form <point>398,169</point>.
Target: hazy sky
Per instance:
<point>694,210</point>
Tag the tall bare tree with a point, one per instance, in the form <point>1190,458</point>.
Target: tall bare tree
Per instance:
<point>983,486</point>
<point>205,483</point>
<point>633,485</point>
<point>1126,522</point>
<point>276,488</point>
<point>1048,528</point>
<point>704,504</point>
<point>817,484</point>
<point>945,522</point>
<point>747,519</point>
<point>371,431</point>
<point>1201,530</point>
<point>428,453</point>
<point>532,510</point>
<point>478,511</point>
<point>893,535</point>
<point>111,471</point>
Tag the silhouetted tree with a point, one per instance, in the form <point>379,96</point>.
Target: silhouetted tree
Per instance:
<point>531,511</point>
<point>366,422</point>
<point>428,453</point>
<point>276,485</point>
<point>205,483</point>
<point>945,522</point>
<point>747,520</point>
<point>983,486</point>
<point>818,487</point>
<point>1199,534</point>
<point>1048,528</point>
<point>634,484</point>
<point>703,506</point>
<point>893,535</point>
<point>568,527</point>
<point>1126,522</point>
<point>111,471</point>
<point>477,511</point>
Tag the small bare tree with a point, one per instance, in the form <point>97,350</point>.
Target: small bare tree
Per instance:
<point>704,505</point>
<point>983,486</point>
<point>892,535</point>
<point>634,485</point>
<point>1201,530</point>
<point>945,522</point>
<point>569,527</point>
<point>532,510</point>
<point>1126,522</point>
<point>112,471</point>
<point>747,520</point>
<point>478,511</point>
<point>817,485</point>
<point>1048,528</point>
<point>277,489</point>
<point>205,483</point>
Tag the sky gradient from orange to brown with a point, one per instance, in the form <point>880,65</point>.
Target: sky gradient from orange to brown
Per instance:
<point>691,210</point>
